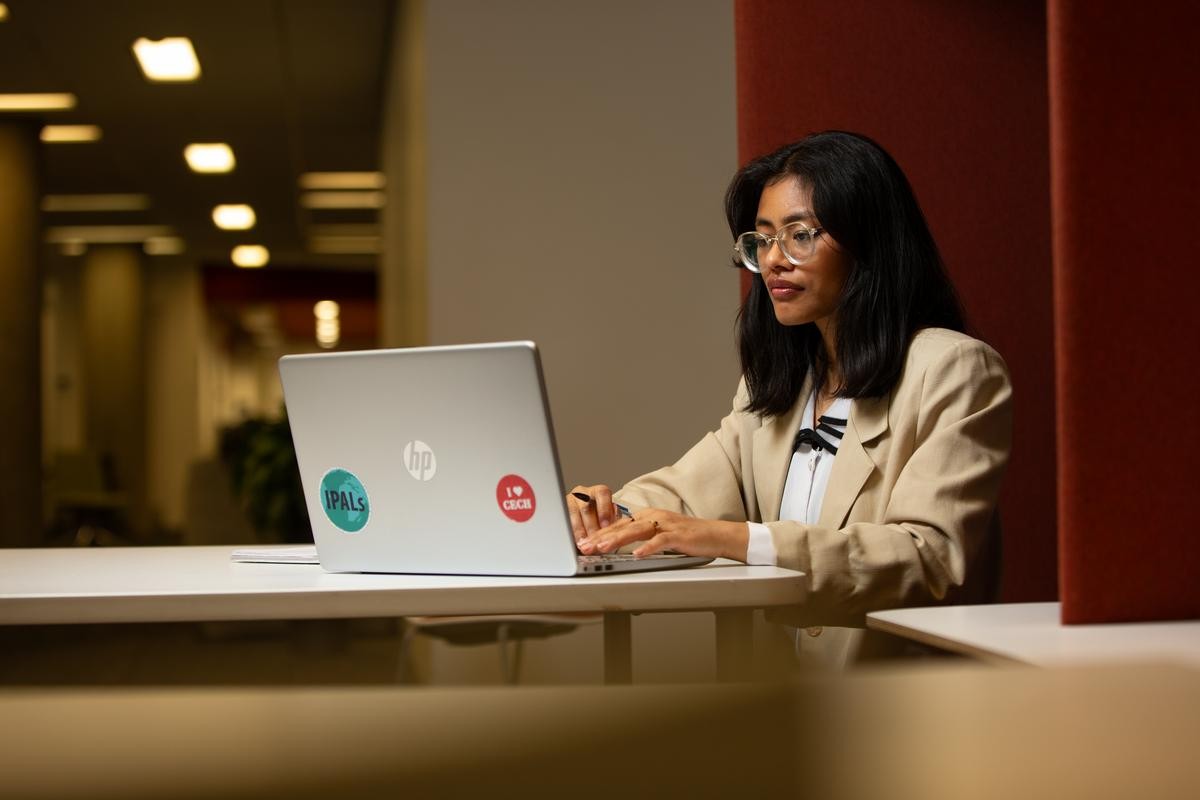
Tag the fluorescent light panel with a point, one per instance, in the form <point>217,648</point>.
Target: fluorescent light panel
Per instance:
<point>342,200</point>
<point>250,256</point>
<point>70,133</point>
<point>344,229</point>
<point>37,102</point>
<point>52,203</point>
<point>210,157</point>
<point>170,59</point>
<point>106,234</point>
<point>233,217</point>
<point>339,181</point>
<point>344,245</point>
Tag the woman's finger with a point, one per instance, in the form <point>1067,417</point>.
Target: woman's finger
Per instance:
<point>660,542</point>
<point>625,532</point>
<point>606,514</point>
<point>586,509</point>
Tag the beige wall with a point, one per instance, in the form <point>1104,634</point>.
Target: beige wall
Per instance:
<point>575,160</point>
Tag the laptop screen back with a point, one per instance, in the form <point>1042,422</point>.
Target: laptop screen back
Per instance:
<point>436,459</point>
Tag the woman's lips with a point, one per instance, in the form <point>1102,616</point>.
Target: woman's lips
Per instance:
<point>783,291</point>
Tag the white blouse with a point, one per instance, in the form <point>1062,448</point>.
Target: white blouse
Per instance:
<point>807,477</point>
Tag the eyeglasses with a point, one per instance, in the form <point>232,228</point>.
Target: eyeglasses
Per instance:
<point>796,241</point>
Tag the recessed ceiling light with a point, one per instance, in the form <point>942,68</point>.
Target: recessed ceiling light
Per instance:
<point>326,309</point>
<point>164,246</point>
<point>342,199</point>
<point>211,157</point>
<point>37,102</point>
<point>233,217</point>
<point>170,59</point>
<point>3,12</point>
<point>342,180</point>
<point>250,255</point>
<point>70,133</point>
<point>94,202</point>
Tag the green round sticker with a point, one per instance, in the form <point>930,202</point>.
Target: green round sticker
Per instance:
<point>345,501</point>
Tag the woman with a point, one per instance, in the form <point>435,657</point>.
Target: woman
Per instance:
<point>869,434</point>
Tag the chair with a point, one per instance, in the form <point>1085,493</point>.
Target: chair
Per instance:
<point>508,631</point>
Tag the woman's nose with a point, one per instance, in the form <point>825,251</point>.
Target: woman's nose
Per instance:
<point>773,258</point>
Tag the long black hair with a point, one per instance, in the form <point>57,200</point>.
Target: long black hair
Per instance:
<point>896,285</point>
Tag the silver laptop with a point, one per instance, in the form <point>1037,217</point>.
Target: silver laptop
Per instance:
<point>436,460</point>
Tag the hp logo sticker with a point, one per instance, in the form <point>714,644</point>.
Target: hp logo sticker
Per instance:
<point>420,461</point>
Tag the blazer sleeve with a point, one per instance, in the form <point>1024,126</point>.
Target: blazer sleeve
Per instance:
<point>939,512</point>
<point>708,481</point>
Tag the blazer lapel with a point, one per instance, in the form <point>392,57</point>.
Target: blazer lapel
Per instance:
<point>773,455</point>
<point>853,465</point>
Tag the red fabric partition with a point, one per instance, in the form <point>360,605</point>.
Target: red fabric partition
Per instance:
<point>957,93</point>
<point>1125,122</point>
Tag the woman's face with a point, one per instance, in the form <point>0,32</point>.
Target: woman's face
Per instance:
<point>809,292</point>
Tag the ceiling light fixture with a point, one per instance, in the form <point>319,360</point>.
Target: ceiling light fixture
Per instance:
<point>344,245</point>
<point>37,102</point>
<point>171,59</point>
<point>250,256</point>
<point>70,133</point>
<point>233,217</point>
<point>327,309</point>
<point>55,203</point>
<point>106,234</point>
<point>3,12</point>
<point>210,157</point>
<point>338,181</point>
<point>342,200</point>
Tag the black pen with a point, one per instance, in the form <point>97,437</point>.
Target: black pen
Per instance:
<point>622,511</point>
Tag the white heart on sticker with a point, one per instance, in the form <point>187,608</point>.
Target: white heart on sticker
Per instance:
<point>518,490</point>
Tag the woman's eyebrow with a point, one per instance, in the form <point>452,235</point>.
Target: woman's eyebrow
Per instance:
<point>798,216</point>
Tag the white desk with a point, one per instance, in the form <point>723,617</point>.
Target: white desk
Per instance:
<point>199,584</point>
<point>1031,633</point>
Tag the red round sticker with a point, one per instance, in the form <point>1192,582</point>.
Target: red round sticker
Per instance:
<point>515,496</point>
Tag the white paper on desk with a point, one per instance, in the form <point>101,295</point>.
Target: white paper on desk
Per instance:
<point>302,554</point>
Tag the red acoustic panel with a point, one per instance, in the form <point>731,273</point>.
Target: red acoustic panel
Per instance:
<point>1125,122</point>
<point>957,93</point>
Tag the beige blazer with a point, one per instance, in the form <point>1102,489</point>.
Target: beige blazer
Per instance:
<point>909,514</point>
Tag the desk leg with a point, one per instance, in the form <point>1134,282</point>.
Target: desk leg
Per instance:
<point>618,650</point>
<point>735,644</point>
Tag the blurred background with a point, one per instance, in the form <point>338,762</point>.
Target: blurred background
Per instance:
<point>193,189</point>
<point>189,190</point>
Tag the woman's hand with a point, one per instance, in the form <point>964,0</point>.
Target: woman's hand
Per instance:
<point>660,530</point>
<point>590,516</point>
